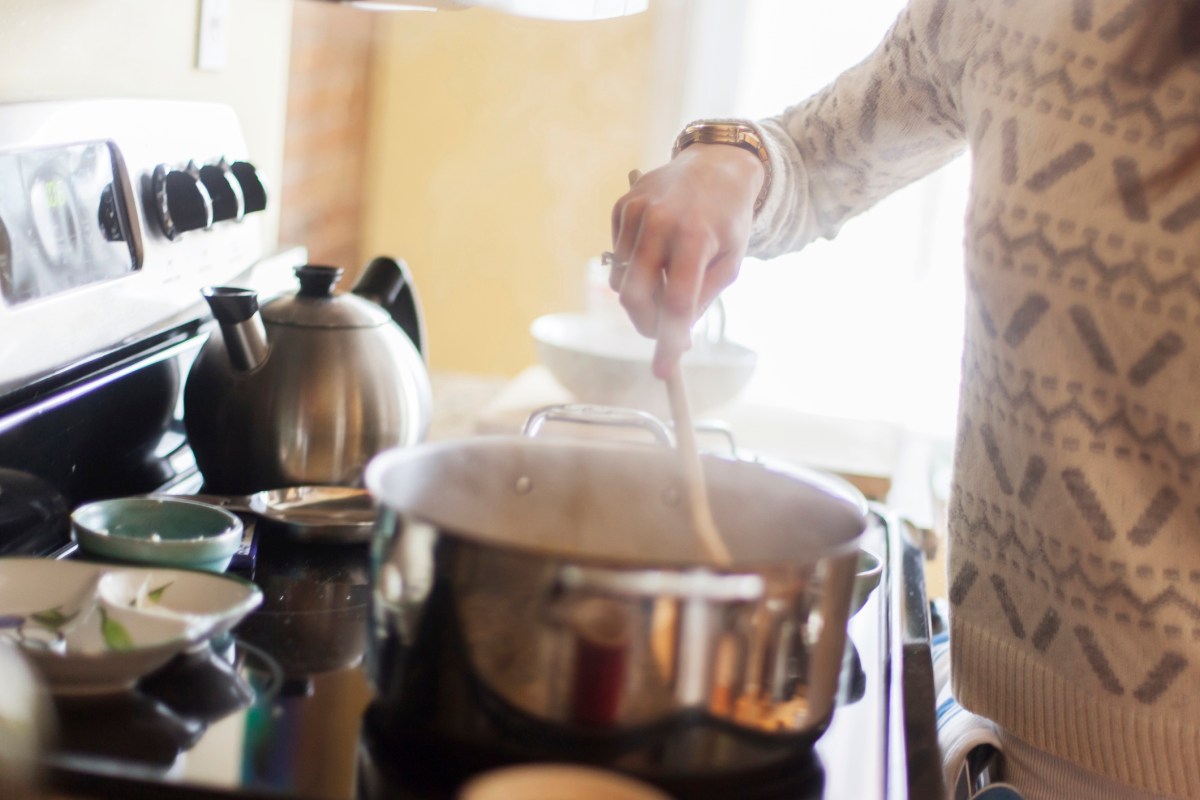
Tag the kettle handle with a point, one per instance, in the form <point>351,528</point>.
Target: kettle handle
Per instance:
<point>387,282</point>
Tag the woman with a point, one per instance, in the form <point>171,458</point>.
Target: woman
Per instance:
<point>1075,513</point>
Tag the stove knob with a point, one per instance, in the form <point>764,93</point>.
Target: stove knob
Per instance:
<point>225,190</point>
<point>253,191</point>
<point>183,202</point>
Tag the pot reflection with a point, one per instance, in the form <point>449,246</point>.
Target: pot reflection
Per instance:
<point>314,613</point>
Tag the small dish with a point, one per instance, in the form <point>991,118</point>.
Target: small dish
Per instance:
<point>305,513</point>
<point>211,605</point>
<point>158,530</point>
<point>87,634</point>
<point>78,646</point>
<point>866,580</point>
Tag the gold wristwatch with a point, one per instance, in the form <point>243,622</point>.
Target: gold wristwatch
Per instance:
<point>733,133</point>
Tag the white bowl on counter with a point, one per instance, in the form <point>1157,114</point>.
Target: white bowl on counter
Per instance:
<point>604,360</point>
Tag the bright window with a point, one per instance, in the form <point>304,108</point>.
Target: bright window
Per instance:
<point>869,326</point>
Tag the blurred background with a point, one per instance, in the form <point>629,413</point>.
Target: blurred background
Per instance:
<point>491,148</point>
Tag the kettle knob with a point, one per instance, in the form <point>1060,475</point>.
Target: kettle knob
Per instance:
<point>317,282</point>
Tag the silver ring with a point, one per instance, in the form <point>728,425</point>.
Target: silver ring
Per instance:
<point>609,259</point>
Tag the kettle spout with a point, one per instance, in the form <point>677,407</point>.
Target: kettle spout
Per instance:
<point>242,328</point>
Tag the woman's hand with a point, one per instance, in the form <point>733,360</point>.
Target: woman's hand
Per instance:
<point>679,235</point>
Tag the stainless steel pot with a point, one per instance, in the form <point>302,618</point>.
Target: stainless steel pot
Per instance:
<point>568,576</point>
<point>308,389</point>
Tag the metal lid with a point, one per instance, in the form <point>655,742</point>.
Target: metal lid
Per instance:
<point>316,306</point>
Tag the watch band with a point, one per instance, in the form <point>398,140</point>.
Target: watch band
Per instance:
<point>732,133</point>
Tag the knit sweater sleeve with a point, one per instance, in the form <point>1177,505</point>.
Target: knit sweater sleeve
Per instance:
<point>882,124</point>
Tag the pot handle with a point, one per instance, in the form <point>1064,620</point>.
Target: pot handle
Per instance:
<point>589,414</point>
<point>718,429</point>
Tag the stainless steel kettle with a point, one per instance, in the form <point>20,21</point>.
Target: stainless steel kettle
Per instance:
<point>309,388</point>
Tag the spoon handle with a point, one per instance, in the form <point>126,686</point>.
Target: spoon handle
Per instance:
<point>703,524</point>
<point>693,471</point>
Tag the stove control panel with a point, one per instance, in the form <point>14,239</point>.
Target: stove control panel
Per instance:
<point>114,214</point>
<point>196,198</point>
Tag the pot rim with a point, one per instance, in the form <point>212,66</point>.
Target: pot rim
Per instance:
<point>850,502</point>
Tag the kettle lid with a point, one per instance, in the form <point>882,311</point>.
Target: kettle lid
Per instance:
<point>316,306</point>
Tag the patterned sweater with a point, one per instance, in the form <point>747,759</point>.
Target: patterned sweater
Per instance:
<point>1074,560</point>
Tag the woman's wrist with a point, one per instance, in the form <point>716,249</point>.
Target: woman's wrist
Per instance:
<point>731,136</point>
<point>742,166</point>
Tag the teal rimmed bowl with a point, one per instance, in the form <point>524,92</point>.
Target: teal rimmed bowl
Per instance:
<point>158,530</point>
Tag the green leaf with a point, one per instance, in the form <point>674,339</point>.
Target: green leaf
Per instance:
<point>155,595</point>
<point>52,618</point>
<point>115,634</point>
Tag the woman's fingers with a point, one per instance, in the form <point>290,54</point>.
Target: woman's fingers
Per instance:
<point>678,237</point>
<point>719,275</point>
<point>678,307</point>
<point>641,285</point>
<point>627,214</point>
<point>616,270</point>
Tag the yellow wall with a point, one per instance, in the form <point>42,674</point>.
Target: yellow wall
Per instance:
<point>56,49</point>
<point>498,145</point>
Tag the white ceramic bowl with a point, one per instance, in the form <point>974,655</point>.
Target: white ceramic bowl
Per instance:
<point>606,361</point>
<point>90,628</point>
<point>210,604</point>
<point>79,646</point>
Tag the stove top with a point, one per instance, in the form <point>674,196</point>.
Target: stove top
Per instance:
<point>284,709</point>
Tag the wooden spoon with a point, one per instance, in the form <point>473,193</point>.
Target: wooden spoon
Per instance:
<point>693,471</point>
<point>703,524</point>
